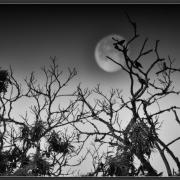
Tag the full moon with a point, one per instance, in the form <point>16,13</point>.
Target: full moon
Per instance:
<point>105,48</point>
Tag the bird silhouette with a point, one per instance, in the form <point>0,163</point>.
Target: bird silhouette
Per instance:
<point>142,81</point>
<point>121,42</point>
<point>137,64</point>
<point>116,46</point>
<point>164,66</point>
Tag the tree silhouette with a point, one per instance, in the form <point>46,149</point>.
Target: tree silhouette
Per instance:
<point>140,137</point>
<point>38,143</point>
<point>52,137</point>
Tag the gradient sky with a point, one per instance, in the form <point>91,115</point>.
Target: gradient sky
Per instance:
<point>30,34</point>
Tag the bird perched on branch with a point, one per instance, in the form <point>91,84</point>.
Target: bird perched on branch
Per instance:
<point>137,64</point>
<point>164,66</point>
<point>121,42</point>
<point>116,46</point>
<point>118,43</point>
<point>142,81</point>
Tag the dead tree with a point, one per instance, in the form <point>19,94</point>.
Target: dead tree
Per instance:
<point>148,85</point>
<point>40,140</point>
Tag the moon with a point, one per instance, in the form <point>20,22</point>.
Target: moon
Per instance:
<point>105,48</point>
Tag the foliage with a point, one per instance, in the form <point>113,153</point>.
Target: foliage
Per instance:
<point>4,80</point>
<point>39,142</point>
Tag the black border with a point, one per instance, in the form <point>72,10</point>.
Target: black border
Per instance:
<point>88,178</point>
<point>90,1</point>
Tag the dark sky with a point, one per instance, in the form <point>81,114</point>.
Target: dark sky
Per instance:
<point>30,34</point>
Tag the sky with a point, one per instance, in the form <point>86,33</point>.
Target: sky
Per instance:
<point>30,34</point>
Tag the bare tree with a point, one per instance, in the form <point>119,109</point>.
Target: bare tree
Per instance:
<point>51,137</point>
<point>139,138</point>
<point>40,141</point>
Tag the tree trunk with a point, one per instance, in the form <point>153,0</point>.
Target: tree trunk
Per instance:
<point>170,152</point>
<point>147,165</point>
<point>164,159</point>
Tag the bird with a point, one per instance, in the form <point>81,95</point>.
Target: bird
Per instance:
<point>146,103</point>
<point>137,64</point>
<point>121,42</point>
<point>164,66</point>
<point>142,81</point>
<point>116,46</point>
